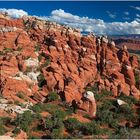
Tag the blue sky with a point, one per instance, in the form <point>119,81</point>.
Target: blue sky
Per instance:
<point>92,9</point>
<point>89,12</point>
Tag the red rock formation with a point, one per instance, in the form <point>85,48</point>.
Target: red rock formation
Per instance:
<point>69,61</point>
<point>133,44</point>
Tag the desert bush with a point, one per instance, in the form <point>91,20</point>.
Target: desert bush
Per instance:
<point>53,109</point>
<point>38,108</point>
<point>106,116</point>
<point>49,124</point>
<point>33,137</point>
<point>41,80</point>
<point>128,99</point>
<point>53,96</point>
<point>101,96</point>
<point>37,48</point>
<point>108,104</point>
<point>59,114</point>
<point>2,53</point>
<point>40,58</point>
<point>78,128</point>
<point>55,125</point>
<point>24,120</point>
<point>16,130</point>
<point>20,94</point>
<point>86,116</point>
<point>106,93</point>
<point>72,124</point>
<point>8,49</point>
<point>134,133</point>
<point>122,133</point>
<point>56,133</point>
<point>67,106</point>
<point>5,120</point>
<point>2,128</point>
<point>137,79</point>
<point>90,128</point>
<point>126,112</point>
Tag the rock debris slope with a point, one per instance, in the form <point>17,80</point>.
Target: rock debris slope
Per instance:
<point>38,56</point>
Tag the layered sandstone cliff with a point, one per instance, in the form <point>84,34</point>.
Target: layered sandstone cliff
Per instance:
<point>38,56</point>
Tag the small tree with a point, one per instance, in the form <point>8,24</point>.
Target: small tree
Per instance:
<point>41,80</point>
<point>2,128</point>
<point>24,120</point>
<point>53,96</point>
<point>56,133</point>
<point>72,124</point>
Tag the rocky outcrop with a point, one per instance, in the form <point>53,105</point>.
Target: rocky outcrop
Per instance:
<point>132,43</point>
<point>88,103</point>
<point>40,56</point>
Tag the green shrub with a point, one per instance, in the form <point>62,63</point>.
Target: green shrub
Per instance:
<point>90,128</point>
<point>67,106</point>
<point>53,96</point>
<point>55,125</point>
<point>34,137</point>
<point>5,120</point>
<point>108,104</point>
<point>24,120</point>
<point>1,53</point>
<point>40,58</point>
<point>37,48</point>
<point>86,116</point>
<point>128,99</point>
<point>56,134</point>
<point>107,117</point>
<point>56,121</point>
<point>75,127</point>
<point>20,94</point>
<point>41,80</point>
<point>101,96</point>
<point>49,124</point>
<point>2,128</point>
<point>72,124</point>
<point>16,130</point>
<point>38,108</point>
<point>51,108</point>
<point>122,133</point>
<point>126,112</point>
<point>137,79</point>
<point>134,133</point>
<point>59,114</point>
<point>8,49</point>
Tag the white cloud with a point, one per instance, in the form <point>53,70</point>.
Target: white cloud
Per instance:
<point>85,24</point>
<point>135,7</point>
<point>98,26</point>
<point>138,15</point>
<point>111,15</point>
<point>126,13</point>
<point>126,18</point>
<point>14,13</point>
<point>137,19</point>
